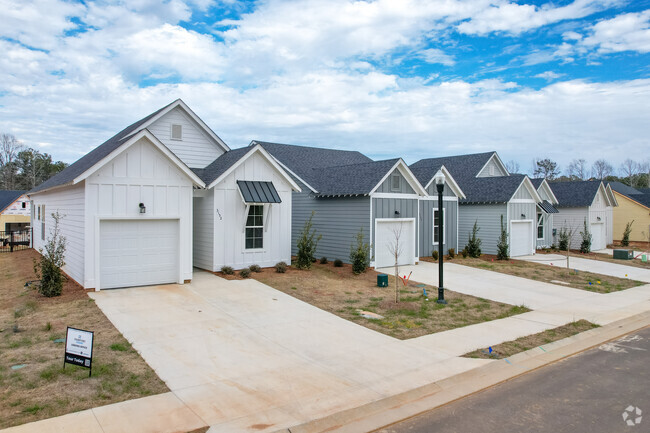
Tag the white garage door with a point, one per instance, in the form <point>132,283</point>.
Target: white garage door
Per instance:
<point>598,241</point>
<point>385,241</point>
<point>521,238</point>
<point>138,253</point>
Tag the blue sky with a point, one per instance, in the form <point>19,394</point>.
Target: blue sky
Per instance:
<point>563,79</point>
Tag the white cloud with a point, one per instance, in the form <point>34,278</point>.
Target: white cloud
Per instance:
<point>434,55</point>
<point>626,32</point>
<point>549,75</point>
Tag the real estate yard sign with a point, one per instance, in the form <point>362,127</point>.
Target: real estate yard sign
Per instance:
<point>79,348</point>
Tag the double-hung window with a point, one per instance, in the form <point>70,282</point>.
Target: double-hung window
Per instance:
<point>540,225</point>
<point>255,227</point>
<point>436,224</point>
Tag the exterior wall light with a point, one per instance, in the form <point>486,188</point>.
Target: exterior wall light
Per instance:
<point>143,209</point>
<point>598,218</point>
<point>396,212</point>
<point>523,216</point>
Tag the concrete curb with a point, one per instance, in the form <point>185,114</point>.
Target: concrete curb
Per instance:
<point>390,410</point>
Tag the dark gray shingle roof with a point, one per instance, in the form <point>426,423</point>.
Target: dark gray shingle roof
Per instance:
<point>464,169</point>
<point>537,181</point>
<point>621,188</point>
<point>354,179</point>
<point>306,162</point>
<point>74,170</point>
<point>7,197</point>
<point>575,194</point>
<point>219,166</point>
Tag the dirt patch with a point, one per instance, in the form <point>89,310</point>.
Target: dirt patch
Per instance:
<point>549,274</point>
<point>522,344</point>
<point>340,292</point>
<point>30,327</point>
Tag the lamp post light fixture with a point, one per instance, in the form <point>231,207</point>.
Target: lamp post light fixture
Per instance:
<point>439,178</point>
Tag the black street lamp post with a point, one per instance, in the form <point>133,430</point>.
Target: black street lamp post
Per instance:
<point>440,185</point>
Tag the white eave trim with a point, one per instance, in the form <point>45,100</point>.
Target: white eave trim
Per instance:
<point>549,190</point>
<point>257,149</point>
<point>157,143</point>
<point>450,180</point>
<point>408,175</point>
<point>609,193</point>
<point>192,114</point>
<point>531,189</point>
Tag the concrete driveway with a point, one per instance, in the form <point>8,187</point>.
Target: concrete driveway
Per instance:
<point>245,357</point>
<point>595,266</point>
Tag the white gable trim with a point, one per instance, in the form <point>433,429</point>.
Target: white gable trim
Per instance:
<point>610,195</point>
<point>192,114</point>
<point>257,149</point>
<point>408,175</point>
<point>549,191</point>
<point>500,163</point>
<point>531,189</point>
<point>157,143</point>
<point>450,180</point>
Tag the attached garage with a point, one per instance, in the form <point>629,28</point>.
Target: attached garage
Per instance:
<point>385,235</point>
<point>521,238</point>
<point>138,252</point>
<point>598,238</point>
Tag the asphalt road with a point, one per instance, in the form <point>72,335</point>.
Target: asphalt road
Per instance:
<point>588,393</point>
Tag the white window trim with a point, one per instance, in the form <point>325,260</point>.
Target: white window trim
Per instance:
<point>246,226</point>
<point>540,223</point>
<point>392,182</point>
<point>435,227</point>
<point>171,132</point>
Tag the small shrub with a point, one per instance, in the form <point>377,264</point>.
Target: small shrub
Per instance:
<point>323,260</point>
<point>434,254</point>
<point>360,254</point>
<point>563,239</point>
<point>227,270</point>
<point>338,263</point>
<point>48,268</point>
<point>585,245</point>
<point>280,267</point>
<point>452,253</point>
<point>474,242</point>
<point>48,326</point>
<point>307,243</point>
<point>463,253</point>
<point>502,245</point>
<point>245,273</point>
<point>255,268</point>
<point>625,241</point>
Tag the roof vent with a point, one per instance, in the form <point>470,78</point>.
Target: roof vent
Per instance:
<point>177,132</point>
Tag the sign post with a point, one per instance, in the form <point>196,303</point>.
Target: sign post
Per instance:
<point>79,348</point>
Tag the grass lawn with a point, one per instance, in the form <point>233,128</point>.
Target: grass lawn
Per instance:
<point>637,263</point>
<point>30,324</point>
<point>548,274</point>
<point>340,292</point>
<point>522,344</point>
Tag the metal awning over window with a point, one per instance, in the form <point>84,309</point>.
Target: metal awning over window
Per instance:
<point>547,207</point>
<point>258,192</point>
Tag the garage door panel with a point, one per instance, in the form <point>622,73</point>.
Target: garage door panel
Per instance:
<point>385,237</point>
<point>521,238</point>
<point>137,253</point>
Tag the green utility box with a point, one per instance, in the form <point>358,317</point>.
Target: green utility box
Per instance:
<point>624,254</point>
<point>382,280</point>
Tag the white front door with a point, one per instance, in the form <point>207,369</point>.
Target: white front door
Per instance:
<point>598,241</point>
<point>521,238</point>
<point>138,253</point>
<point>386,231</point>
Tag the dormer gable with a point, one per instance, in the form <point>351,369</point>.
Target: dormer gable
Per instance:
<point>493,167</point>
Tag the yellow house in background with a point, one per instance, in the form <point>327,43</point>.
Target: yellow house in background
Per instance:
<point>15,211</point>
<point>632,205</point>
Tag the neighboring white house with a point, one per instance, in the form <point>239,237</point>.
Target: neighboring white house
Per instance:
<point>585,201</point>
<point>545,213</point>
<point>15,210</point>
<point>128,206</point>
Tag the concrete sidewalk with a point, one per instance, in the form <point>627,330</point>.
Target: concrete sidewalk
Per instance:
<point>595,266</point>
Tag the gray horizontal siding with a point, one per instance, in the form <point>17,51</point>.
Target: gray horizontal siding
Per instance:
<point>337,219</point>
<point>426,226</point>
<point>489,223</point>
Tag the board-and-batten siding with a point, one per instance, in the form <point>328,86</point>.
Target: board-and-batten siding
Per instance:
<point>337,219</point>
<point>230,219</point>
<point>450,209</point>
<point>386,208</point>
<point>387,186</point>
<point>489,223</point>
<point>491,165</point>
<point>140,174</point>
<point>598,209</point>
<point>547,240</point>
<point>432,190</point>
<point>196,149</point>
<point>203,230</point>
<point>69,202</point>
